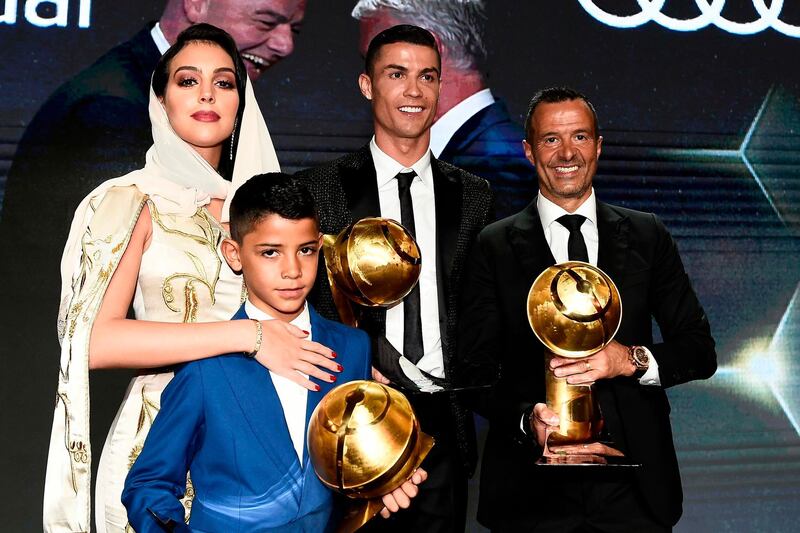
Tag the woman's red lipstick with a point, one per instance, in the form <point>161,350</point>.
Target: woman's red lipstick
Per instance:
<point>205,116</point>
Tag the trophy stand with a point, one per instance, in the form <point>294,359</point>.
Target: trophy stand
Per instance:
<point>580,419</point>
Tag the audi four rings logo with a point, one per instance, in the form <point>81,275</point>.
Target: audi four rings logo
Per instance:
<point>710,15</point>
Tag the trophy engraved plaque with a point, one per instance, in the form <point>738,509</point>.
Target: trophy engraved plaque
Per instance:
<point>574,309</point>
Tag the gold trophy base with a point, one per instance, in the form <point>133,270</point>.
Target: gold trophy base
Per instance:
<point>362,511</point>
<point>580,422</point>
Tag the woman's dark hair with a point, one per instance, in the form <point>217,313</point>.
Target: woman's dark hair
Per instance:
<point>208,34</point>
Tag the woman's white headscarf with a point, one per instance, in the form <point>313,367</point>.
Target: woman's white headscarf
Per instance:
<point>178,180</point>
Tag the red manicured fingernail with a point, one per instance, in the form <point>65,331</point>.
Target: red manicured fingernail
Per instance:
<point>316,387</point>
<point>339,368</point>
<point>333,355</point>
<point>333,378</point>
<point>304,331</point>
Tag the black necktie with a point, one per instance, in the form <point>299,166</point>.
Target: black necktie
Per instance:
<point>576,247</point>
<point>412,318</point>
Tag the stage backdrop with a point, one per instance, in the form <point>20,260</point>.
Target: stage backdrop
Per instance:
<point>698,103</point>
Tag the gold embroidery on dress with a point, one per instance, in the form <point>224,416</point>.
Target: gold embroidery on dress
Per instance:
<point>147,415</point>
<point>212,235</point>
<point>71,446</point>
<point>87,304</point>
<point>188,498</point>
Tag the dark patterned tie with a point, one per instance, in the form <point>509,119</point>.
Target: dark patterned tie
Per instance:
<point>412,318</point>
<point>576,247</point>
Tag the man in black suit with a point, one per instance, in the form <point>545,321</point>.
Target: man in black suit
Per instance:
<point>472,128</point>
<point>566,222</point>
<point>396,176</point>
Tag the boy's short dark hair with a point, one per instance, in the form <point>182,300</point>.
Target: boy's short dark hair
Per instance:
<point>402,33</point>
<point>273,193</point>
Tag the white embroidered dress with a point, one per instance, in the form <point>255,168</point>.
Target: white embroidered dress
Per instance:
<point>182,278</point>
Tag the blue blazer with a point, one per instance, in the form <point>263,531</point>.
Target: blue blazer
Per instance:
<point>222,420</point>
<point>489,145</point>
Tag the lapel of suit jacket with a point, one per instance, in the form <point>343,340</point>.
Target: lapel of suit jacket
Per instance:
<point>253,388</point>
<point>526,237</point>
<point>447,190</point>
<point>613,230</point>
<point>360,184</point>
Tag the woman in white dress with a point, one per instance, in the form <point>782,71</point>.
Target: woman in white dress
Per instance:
<point>151,239</point>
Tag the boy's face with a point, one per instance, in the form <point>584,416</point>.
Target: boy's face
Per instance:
<point>278,259</point>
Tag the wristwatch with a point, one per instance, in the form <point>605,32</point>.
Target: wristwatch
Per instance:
<point>639,357</point>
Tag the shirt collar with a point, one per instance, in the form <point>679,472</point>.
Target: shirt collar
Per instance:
<point>449,123</point>
<point>386,168</point>
<point>549,212</point>
<point>158,37</point>
<point>302,321</point>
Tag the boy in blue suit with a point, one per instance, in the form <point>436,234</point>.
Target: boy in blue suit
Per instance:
<point>237,427</point>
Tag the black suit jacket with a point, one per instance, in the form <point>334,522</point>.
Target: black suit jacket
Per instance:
<point>637,252</point>
<point>346,191</point>
<point>489,145</point>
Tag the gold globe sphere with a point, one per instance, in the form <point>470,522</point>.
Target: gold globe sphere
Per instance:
<point>574,309</point>
<point>364,440</point>
<point>375,262</point>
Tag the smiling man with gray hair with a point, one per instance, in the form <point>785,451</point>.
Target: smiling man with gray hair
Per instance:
<point>472,129</point>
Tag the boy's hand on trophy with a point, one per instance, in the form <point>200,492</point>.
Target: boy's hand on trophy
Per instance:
<point>400,498</point>
<point>610,362</point>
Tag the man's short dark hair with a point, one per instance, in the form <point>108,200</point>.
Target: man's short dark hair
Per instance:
<point>554,95</point>
<point>402,33</point>
<point>273,193</point>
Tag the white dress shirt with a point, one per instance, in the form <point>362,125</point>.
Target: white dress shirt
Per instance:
<point>449,123</point>
<point>422,198</point>
<point>158,37</point>
<point>293,397</point>
<point>557,237</point>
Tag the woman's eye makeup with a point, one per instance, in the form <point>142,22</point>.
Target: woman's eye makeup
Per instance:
<point>186,81</point>
<point>225,83</point>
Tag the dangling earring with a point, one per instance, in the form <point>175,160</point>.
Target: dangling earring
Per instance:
<point>233,135</point>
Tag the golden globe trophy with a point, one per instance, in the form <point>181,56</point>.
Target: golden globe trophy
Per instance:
<point>575,310</point>
<point>364,441</point>
<point>374,262</point>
